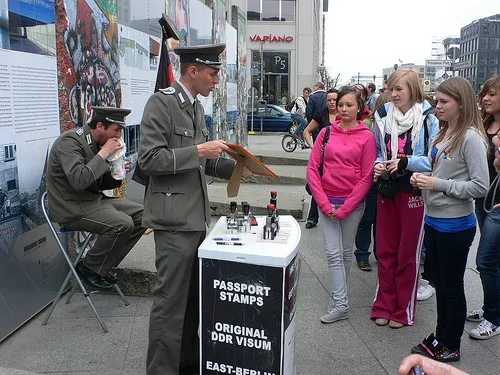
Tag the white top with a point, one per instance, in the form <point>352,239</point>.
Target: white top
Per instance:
<point>274,253</point>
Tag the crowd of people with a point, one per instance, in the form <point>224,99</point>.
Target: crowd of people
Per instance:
<point>376,159</point>
<point>420,172</point>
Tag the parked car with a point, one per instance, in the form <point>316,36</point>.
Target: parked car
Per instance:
<point>276,120</point>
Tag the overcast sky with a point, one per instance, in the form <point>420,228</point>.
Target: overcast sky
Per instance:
<point>368,35</point>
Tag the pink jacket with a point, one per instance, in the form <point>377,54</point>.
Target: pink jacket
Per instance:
<point>347,170</point>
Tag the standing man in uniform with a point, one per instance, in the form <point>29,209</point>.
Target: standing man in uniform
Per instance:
<point>175,153</point>
<point>77,173</point>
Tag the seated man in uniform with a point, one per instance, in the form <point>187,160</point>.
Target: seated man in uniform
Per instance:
<point>77,173</point>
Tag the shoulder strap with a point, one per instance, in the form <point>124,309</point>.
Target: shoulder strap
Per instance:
<point>426,132</point>
<point>325,141</point>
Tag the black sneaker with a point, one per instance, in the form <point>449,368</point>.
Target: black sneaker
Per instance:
<point>311,224</point>
<point>364,265</point>
<point>433,349</point>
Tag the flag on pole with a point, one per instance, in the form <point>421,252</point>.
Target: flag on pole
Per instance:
<point>164,78</point>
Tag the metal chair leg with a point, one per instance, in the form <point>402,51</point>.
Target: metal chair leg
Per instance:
<point>119,291</point>
<point>58,296</point>
<point>72,291</point>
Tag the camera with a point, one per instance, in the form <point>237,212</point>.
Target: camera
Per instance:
<point>385,175</point>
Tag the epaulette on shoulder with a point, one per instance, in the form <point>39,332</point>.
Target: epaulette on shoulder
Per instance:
<point>79,131</point>
<point>168,91</point>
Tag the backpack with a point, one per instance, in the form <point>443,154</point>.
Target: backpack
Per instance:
<point>293,105</point>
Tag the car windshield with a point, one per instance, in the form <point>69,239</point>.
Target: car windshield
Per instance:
<point>273,111</point>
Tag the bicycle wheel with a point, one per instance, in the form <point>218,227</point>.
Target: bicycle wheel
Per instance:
<point>289,143</point>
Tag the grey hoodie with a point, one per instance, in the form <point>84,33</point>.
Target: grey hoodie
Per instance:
<point>460,177</point>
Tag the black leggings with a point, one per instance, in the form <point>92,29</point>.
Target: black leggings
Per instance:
<point>448,253</point>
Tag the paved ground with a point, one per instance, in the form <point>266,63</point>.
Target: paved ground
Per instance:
<point>73,343</point>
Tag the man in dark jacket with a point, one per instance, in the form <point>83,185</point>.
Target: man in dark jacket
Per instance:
<point>317,101</point>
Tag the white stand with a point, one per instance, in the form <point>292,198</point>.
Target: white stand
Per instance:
<point>247,300</point>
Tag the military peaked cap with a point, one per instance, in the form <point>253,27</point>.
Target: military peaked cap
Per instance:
<point>110,114</point>
<point>205,54</point>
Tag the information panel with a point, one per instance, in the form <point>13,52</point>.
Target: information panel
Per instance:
<point>31,266</point>
<point>243,332</point>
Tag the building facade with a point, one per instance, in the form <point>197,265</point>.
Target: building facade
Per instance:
<point>479,50</point>
<point>419,69</point>
<point>284,47</point>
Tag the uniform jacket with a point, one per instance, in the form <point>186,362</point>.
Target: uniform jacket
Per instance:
<point>176,197</point>
<point>76,175</point>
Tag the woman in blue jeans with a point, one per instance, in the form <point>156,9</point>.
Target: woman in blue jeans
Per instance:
<point>488,253</point>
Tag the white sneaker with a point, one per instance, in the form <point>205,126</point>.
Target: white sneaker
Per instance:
<point>484,330</point>
<point>333,316</point>
<point>425,290</point>
<point>475,315</point>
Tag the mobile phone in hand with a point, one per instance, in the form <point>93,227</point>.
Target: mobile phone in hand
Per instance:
<point>415,370</point>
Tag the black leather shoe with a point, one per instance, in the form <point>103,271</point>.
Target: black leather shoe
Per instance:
<point>111,278</point>
<point>93,279</point>
<point>189,369</point>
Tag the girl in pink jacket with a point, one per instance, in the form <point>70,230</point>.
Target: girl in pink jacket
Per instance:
<point>347,165</point>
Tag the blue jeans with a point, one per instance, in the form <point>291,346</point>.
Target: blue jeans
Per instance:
<point>364,234</point>
<point>488,261</point>
<point>302,123</point>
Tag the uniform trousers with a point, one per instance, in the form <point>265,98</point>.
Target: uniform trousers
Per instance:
<point>173,324</point>
<point>399,240</point>
<point>118,222</point>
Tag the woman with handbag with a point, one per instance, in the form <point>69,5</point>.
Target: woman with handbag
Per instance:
<point>403,130</point>
<point>339,173</point>
<point>459,174</point>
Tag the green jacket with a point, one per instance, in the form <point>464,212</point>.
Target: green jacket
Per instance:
<point>176,196</point>
<point>76,175</point>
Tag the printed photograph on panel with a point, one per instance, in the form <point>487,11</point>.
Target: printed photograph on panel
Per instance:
<point>88,58</point>
<point>177,11</point>
<point>28,26</point>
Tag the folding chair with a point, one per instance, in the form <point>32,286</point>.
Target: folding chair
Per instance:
<point>84,239</point>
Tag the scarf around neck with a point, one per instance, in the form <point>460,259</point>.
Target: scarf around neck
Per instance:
<point>398,123</point>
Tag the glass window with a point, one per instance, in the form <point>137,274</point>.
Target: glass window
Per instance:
<point>288,10</point>
<point>483,43</point>
<point>483,58</point>
<point>270,10</point>
<point>253,10</point>
<point>273,111</point>
<point>493,70</point>
<point>493,58</point>
<point>276,82</point>
<point>495,44</point>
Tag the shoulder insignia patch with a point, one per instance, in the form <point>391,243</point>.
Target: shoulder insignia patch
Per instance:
<point>168,91</point>
<point>181,98</point>
<point>79,131</point>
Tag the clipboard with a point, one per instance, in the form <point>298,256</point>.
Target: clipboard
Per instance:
<point>245,159</point>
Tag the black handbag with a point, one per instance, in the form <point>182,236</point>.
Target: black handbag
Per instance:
<point>320,168</point>
<point>386,186</point>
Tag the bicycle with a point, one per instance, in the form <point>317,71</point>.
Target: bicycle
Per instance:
<point>290,142</point>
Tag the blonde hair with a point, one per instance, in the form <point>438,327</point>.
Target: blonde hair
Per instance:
<point>461,90</point>
<point>413,82</point>
<point>492,84</point>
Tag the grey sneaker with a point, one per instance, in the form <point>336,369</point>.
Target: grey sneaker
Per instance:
<point>333,316</point>
<point>475,315</point>
<point>484,330</point>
